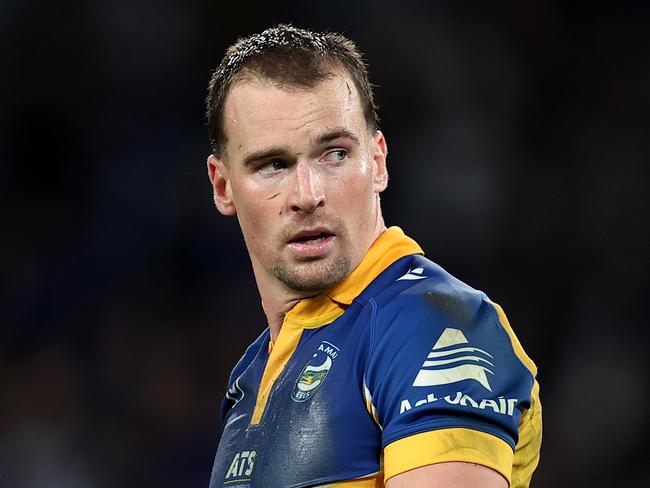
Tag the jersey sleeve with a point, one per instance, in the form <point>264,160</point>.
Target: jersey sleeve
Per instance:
<point>446,380</point>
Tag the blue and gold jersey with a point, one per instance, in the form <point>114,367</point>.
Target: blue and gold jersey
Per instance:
<point>399,366</point>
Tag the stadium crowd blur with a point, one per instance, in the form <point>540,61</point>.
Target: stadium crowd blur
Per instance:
<point>519,149</point>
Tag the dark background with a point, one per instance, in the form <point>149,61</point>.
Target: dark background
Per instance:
<point>518,138</point>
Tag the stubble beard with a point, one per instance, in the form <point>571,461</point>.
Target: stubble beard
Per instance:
<point>314,276</point>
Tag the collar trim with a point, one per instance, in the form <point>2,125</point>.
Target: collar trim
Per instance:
<point>323,309</point>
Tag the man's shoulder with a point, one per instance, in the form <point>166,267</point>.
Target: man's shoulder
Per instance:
<point>418,286</point>
<point>423,303</point>
<point>443,356</point>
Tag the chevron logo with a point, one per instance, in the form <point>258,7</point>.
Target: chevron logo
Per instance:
<point>452,359</point>
<point>413,274</point>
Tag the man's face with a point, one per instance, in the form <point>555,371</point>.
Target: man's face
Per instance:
<point>303,174</point>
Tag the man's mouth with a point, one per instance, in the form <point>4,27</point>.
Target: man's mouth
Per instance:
<point>310,237</point>
<point>310,244</point>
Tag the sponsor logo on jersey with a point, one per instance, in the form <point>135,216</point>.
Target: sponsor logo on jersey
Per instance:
<point>240,470</point>
<point>452,360</point>
<point>315,372</point>
<point>413,274</point>
<point>501,405</point>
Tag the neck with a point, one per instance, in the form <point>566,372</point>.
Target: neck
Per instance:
<point>278,299</point>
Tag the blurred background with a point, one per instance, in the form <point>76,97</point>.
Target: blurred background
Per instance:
<point>519,150</point>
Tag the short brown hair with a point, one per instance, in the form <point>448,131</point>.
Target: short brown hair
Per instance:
<point>289,56</point>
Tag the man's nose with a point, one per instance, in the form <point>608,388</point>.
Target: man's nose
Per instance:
<point>309,193</point>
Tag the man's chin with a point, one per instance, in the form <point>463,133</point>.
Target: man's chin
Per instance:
<point>315,276</point>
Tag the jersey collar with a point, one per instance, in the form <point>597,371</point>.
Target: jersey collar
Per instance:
<point>323,309</point>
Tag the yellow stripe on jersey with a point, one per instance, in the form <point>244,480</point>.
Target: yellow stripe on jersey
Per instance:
<point>283,348</point>
<point>529,444</point>
<point>314,312</point>
<point>530,424</point>
<point>447,445</point>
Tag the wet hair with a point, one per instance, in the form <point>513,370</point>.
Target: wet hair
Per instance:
<point>287,56</point>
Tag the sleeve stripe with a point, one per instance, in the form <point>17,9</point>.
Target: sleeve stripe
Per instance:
<point>448,445</point>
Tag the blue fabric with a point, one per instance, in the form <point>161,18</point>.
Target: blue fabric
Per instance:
<point>313,435</point>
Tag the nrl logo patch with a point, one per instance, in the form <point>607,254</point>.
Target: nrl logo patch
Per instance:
<point>315,372</point>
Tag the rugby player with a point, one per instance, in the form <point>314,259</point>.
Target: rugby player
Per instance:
<point>377,368</point>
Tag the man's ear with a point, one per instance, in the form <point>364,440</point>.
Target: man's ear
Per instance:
<point>380,152</point>
<point>218,174</point>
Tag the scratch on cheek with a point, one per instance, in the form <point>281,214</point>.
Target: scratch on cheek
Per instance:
<point>273,196</point>
<point>280,211</point>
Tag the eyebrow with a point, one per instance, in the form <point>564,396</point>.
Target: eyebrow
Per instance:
<point>270,153</point>
<point>278,151</point>
<point>336,133</point>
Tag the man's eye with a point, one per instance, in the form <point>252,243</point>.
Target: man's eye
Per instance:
<point>336,156</point>
<point>272,166</point>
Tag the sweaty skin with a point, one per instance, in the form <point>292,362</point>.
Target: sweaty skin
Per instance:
<point>311,150</point>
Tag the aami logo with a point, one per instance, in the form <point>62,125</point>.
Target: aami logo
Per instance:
<point>313,375</point>
<point>242,465</point>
